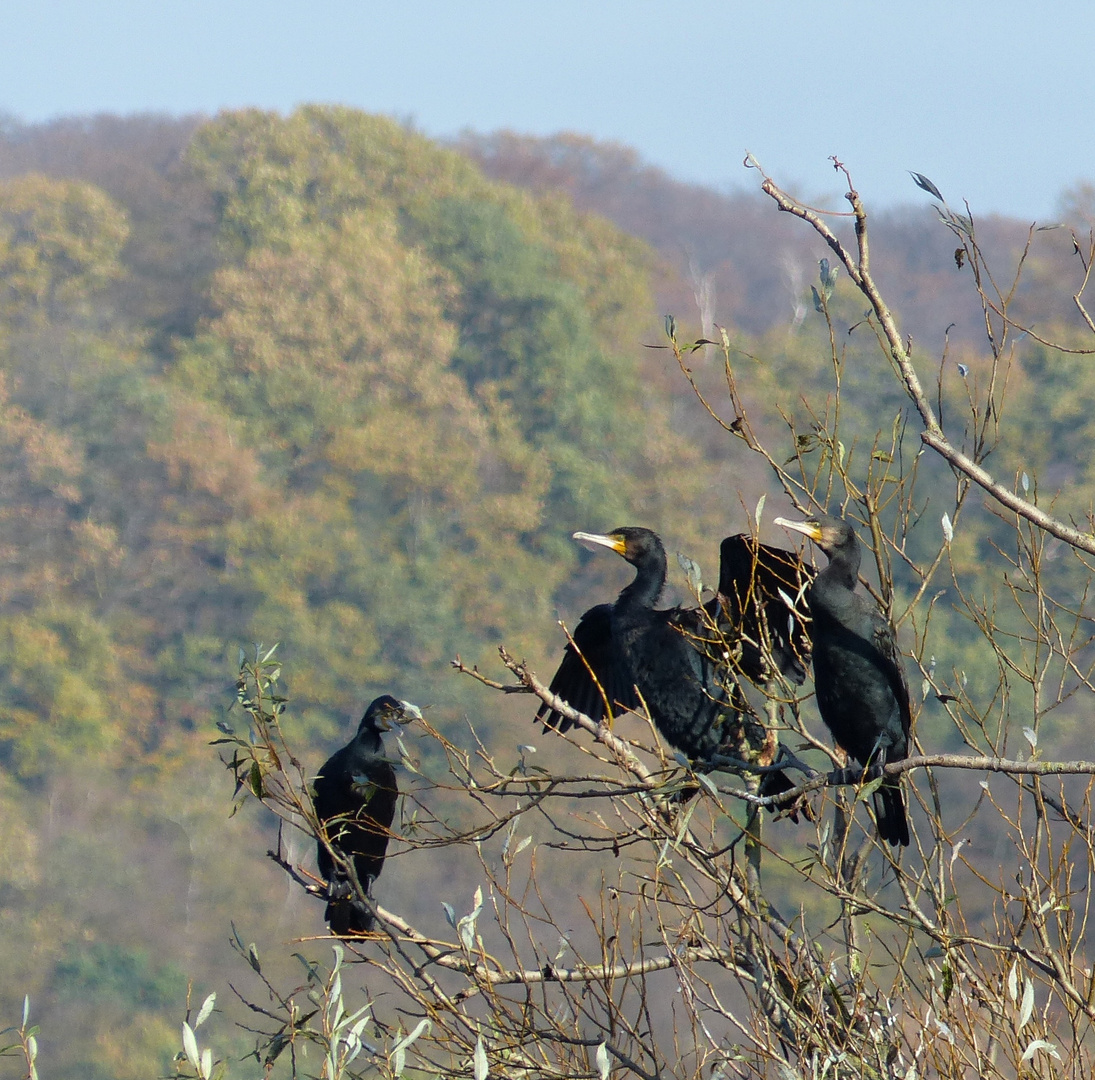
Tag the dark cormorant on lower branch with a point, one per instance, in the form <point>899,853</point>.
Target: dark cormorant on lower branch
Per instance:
<point>861,691</point>
<point>355,797</point>
<point>672,660</point>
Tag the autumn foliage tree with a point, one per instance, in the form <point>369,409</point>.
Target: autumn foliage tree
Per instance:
<point>705,941</point>
<point>318,381</point>
<point>346,394</point>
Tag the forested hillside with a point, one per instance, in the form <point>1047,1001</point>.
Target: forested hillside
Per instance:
<point>749,267</point>
<point>317,380</point>
<point>309,380</point>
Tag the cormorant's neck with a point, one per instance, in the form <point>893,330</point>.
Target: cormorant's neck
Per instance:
<point>843,565</point>
<point>649,581</point>
<point>368,741</point>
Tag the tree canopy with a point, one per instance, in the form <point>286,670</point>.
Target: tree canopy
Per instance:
<point>317,380</point>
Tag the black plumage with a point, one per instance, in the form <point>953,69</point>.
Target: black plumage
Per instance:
<point>760,608</point>
<point>355,798</point>
<point>658,652</point>
<point>861,691</point>
<point>751,615</point>
<point>672,660</point>
<point>591,670</point>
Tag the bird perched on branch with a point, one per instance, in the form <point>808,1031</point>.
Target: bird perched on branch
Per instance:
<point>676,661</point>
<point>861,690</point>
<point>355,797</point>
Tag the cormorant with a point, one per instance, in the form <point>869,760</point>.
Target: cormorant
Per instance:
<point>670,659</point>
<point>355,796</point>
<point>747,610</point>
<point>861,690</point>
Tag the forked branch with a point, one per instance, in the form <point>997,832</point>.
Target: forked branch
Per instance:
<point>858,267</point>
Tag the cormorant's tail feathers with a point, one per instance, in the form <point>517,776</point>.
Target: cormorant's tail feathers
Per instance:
<point>346,915</point>
<point>889,812</point>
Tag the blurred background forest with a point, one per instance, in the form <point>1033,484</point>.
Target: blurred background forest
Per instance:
<point>318,380</point>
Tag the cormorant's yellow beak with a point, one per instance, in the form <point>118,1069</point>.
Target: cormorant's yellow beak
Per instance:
<point>613,541</point>
<point>808,528</point>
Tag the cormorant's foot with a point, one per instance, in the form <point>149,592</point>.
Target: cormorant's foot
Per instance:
<point>338,888</point>
<point>361,918</point>
<point>776,783</point>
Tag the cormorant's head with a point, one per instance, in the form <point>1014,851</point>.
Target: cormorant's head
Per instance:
<point>831,534</point>
<point>387,712</point>
<point>633,542</point>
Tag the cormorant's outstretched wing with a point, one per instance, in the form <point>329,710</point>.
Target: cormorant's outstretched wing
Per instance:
<point>590,658</point>
<point>756,583</point>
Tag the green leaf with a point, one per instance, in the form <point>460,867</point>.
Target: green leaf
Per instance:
<point>254,779</point>
<point>603,1062</point>
<point>869,788</point>
<point>481,1067</point>
<point>205,1010</point>
<point>1040,1044</point>
<point>708,783</point>
<point>466,926</point>
<point>1026,1009</point>
<point>925,184</point>
<point>692,572</point>
<point>190,1045</point>
<point>408,1040</point>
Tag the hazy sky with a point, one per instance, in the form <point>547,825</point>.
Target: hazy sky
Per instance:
<point>991,99</point>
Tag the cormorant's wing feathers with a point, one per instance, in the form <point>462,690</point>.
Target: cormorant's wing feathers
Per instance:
<point>590,657</point>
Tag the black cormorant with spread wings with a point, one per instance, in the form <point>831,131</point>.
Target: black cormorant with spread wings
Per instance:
<point>672,660</point>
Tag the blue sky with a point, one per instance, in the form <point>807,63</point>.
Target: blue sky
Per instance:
<point>991,100</point>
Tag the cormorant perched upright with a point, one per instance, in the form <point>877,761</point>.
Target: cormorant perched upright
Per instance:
<point>748,610</point>
<point>861,691</point>
<point>355,796</point>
